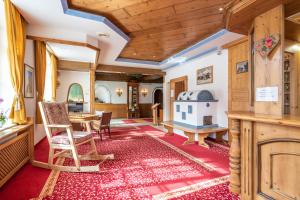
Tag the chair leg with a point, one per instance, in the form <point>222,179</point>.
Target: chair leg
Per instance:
<point>50,159</point>
<point>99,132</point>
<point>109,132</point>
<point>76,157</point>
<point>94,148</point>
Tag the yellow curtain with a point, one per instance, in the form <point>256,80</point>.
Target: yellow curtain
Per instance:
<point>40,75</point>
<point>53,75</point>
<point>16,51</point>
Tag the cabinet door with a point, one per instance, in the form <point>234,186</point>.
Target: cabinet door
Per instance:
<point>278,175</point>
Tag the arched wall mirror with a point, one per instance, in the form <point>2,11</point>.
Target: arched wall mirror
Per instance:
<point>75,98</point>
<point>75,93</point>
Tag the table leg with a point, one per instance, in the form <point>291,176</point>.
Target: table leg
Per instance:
<point>191,138</point>
<point>169,131</point>
<point>201,140</point>
<point>219,136</point>
<point>88,126</point>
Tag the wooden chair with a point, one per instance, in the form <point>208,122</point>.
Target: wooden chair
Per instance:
<point>103,124</point>
<point>54,115</point>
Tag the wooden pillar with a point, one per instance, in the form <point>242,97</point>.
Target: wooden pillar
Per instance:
<point>235,158</point>
<point>92,88</point>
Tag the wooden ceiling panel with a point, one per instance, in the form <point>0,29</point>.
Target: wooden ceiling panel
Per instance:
<point>158,28</point>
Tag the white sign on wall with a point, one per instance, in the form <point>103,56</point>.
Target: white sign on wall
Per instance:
<point>267,94</point>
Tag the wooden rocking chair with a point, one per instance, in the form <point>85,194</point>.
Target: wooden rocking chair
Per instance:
<point>54,115</point>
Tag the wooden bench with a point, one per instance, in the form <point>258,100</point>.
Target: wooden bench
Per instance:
<point>191,132</point>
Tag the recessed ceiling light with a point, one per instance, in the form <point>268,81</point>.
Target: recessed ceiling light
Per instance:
<point>221,9</point>
<point>134,53</point>
<point>154,56</point>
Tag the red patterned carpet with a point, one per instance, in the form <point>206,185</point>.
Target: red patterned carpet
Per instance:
<point>147,165</point>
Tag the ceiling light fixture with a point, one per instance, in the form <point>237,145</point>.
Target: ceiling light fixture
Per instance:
<point>221,9</point>
<point>134,53</point>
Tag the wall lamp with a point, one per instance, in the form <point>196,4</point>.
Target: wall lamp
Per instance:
<point>144,92</point>
<point>119,91</point>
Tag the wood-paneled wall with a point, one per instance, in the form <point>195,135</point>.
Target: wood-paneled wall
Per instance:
<point>118,110</point>
<point>268,71</point>
<point>145,110</point>
<point>239,84</point>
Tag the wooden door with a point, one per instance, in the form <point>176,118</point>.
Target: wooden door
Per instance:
<point>177,85</point>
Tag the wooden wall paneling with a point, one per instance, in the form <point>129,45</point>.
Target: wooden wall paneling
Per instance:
<point>118,110</point>
<point>145,110</point>
<point>268,72</point>
<point>239,84</point>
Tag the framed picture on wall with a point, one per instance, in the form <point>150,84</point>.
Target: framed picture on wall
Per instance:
<point>28,82</point>
<point>205,75</point>
<point>242,67</point>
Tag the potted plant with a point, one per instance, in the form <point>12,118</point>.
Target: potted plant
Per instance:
<point>3,117</point>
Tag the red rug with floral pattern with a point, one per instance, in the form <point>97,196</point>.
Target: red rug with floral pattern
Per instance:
<point>147,165</point>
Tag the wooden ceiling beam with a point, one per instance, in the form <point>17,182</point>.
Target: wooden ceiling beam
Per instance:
<point>241,14</point>
<point>129,70</point>
<point>74,65</point>
<point>59,41</point>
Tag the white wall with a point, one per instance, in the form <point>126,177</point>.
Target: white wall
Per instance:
<point>150,87</point>
<point>112,86</point>
<point>66,78</point>
<point>219,87</point>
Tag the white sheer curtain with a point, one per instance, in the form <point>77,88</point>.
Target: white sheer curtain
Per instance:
<point>48,91</point>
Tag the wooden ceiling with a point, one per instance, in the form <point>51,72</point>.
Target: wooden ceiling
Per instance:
<point>123,77</point>
<point>158,28</point>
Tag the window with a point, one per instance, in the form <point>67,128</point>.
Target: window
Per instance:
<point>47,89</point>
<point>6,89</point>
<point>75,94</point>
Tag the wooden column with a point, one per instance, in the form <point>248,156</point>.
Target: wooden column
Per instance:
<point>92,88</point>
<point>268,71</point>
<point>235,158</point>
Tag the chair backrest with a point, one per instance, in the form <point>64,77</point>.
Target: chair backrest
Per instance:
<point>54,113</point>
<point>105,119</point>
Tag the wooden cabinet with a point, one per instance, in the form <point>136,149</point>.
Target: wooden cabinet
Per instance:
<point>133,100</point>
<point>265,156</point>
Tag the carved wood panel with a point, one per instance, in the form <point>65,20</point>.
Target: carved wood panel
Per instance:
<point>278,169</point>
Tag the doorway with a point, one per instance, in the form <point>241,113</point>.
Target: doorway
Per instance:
<point>158,98</point>
<point>177,86</point>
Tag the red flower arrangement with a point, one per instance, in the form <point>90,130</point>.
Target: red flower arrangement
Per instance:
<point>267,44</point>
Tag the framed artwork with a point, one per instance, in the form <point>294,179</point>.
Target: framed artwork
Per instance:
<point>242,67</point>
<point>28,82</point>
<point>205,75</point>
